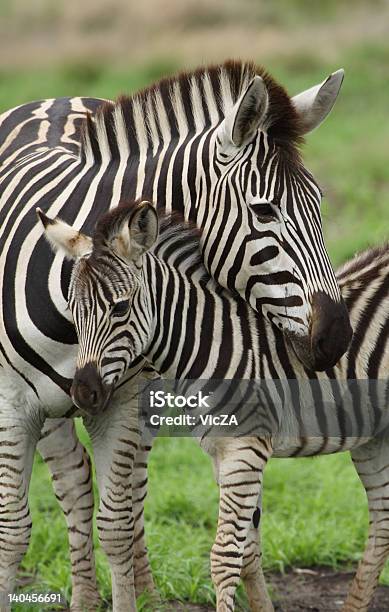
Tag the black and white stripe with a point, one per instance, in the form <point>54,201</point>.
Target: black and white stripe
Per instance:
<point>183,324</point>
<point>218,145</point>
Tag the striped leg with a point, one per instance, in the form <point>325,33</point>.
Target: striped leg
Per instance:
<point>239,464</point>
<point>252,574</point>
<point>142,571</point>
<point>115,439</point>
<point>372,464</point>
<point>70,468</point>
<point>18,438</point>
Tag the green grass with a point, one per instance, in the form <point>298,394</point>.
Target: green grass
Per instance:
<point>314,510</point>
<point>308,519</point>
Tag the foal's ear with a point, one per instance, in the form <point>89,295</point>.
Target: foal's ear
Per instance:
<point>143,227</point>
<point>137,232</point>
<point>64,238</point>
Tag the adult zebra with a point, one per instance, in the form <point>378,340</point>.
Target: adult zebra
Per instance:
<point>218,144</point>
<point>212,335</point>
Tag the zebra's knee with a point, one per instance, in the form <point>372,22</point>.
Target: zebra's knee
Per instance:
<point>18,443</point>
<point>116,533</point>
<point>15,532</point>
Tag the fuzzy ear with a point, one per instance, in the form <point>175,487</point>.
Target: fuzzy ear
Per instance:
<point>136,233</point>
<point>314,104</point>
<point>248,114</point>
<point>65,238</point>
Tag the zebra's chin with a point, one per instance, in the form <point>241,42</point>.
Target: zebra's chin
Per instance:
<point>329,335</point>
<point>302,348</point>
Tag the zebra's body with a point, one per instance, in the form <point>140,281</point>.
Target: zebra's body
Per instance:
<point>215,336</point>
<point>214,144</point>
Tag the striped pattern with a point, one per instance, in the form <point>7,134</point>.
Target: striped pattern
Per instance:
<point>166,142</point>
<point>214,336</point>
<point>171,134</point>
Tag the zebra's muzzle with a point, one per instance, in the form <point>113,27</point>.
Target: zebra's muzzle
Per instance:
<point>88,391</point>
<point>330,335</point>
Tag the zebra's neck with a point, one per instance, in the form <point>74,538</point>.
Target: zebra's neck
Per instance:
<point>196,327</point>
<point>201,330</point>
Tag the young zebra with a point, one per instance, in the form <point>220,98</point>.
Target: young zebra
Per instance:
<point>177,317</point>
<point>218,144</point>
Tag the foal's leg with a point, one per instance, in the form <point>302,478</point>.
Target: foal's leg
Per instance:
<point>115,439</point>
<point>19,433</point>
<point>239,464</point>
<point>252,574</point>
<point>372,464</point>
<point>70,468</point>
<point>142,571</point>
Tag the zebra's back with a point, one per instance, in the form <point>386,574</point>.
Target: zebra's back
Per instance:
<point>364,283</point>
<point>45,123</point>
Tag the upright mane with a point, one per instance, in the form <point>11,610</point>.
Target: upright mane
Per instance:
<point>179,242</point>
<point>187,103</point>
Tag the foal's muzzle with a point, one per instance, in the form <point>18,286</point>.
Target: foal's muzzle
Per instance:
<point>88,391</point>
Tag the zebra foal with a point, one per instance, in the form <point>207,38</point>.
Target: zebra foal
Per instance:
<point>213,335</point>
<point>219,145</point>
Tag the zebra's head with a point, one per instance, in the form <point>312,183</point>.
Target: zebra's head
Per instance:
<point>106,279</point>
<point>281,266</point>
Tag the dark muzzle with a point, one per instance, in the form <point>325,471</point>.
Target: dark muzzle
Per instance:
<point>88,391</point>
<point>331,331</point>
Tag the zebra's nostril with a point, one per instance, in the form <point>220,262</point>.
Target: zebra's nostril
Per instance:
<point>324,349</point>
<point>93,398</point>
<point>320,347</point>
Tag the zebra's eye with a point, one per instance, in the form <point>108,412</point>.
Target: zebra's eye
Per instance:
<point>264,211</point>
<point>120,308</point>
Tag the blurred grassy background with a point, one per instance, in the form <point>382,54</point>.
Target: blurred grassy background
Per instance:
<point>102,49</point>
<point>315,511</point>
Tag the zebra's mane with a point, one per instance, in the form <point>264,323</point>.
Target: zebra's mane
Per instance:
<point>189,102</point>
<point>179,243</point>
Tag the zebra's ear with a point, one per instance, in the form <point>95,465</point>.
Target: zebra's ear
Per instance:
<point>314,104</point>
<point>64,238</point>
<point>241,124</point>
<point>137,233</point>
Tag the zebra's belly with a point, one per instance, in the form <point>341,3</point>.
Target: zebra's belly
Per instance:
<point>285,446</point>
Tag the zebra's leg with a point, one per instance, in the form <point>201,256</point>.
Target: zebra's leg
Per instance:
<point>239,465</point>
<point>142,571</point>
<point>19,434</point>
<point>372,464</point>
<point>70,468</point>
<point>115,439</point>
<point>252,574</point>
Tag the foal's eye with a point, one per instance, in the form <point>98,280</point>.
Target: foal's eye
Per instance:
<point>264,211</point>
<point>120,308</point>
